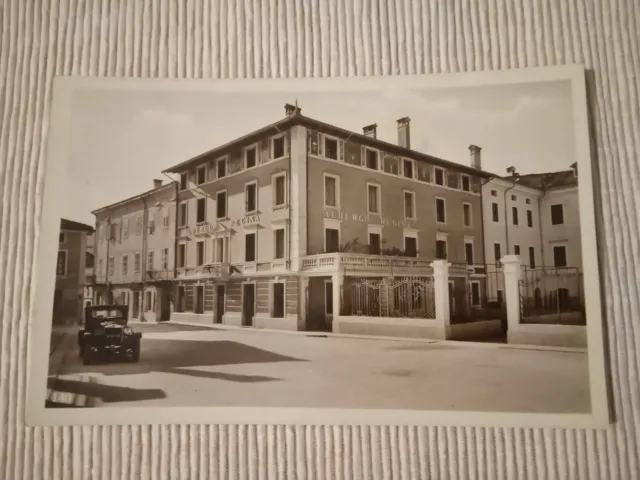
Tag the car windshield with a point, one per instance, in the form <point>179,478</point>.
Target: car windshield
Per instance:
<point>111,314</point>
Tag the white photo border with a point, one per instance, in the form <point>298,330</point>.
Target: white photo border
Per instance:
<point>56,163</point>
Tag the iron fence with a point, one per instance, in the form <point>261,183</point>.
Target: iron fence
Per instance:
<point>400,297</point>
<point>476,293</point>
<point>552,295</point>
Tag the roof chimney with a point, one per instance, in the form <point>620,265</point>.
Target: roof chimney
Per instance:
<point>574,167</point>
<point>404,132</point>
<point>291,110</point>
<point>157,183</point>
<point>370,130</point>
<point>476,160</point>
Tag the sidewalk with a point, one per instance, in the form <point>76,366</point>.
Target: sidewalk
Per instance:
<point>219,326</point>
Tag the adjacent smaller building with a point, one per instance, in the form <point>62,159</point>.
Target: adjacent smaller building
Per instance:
<point>70,272</point>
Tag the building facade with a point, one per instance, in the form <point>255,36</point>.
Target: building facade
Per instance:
<point>134,252</point>
<point>70,272</point>
<point>271,224</point>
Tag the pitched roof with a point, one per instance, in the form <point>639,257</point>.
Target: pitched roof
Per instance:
<point>545,181</point>
<point>299,119</point>
<point>66,224</point>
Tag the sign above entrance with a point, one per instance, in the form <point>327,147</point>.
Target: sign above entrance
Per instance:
<point>366,218</point>
<point>209,228</point>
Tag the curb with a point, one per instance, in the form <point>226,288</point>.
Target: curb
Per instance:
<point>512,346</point>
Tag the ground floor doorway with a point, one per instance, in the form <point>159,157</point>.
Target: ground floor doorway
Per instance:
<point>248,304</point>
<point>220,304</point>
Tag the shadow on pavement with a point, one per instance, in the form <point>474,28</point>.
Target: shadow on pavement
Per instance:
<point>106,393</point>
<point>231,377</point>
<point>171,356</point>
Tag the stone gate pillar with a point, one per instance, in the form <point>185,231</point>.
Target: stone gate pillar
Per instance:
<point>512,270</point>
<point>441,292</point>
<point>337,280</point>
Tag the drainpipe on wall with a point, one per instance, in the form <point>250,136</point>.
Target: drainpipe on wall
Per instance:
<point>484,243</point>
<point>143,260</point>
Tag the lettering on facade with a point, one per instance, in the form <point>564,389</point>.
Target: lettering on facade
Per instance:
<point>221,226</point>
<point>365,218</point>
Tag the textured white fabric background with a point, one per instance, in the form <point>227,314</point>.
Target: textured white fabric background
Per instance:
<point>269,38</point>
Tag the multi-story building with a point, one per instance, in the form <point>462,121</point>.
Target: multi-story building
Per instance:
<point>269,224</point>
<point>70,272</point>
<point>536,216</point>
<point>89,271</point>
<point>134,252</point>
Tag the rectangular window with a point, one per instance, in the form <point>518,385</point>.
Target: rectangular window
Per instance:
<point>331,193</point>
<point>182,255</point>
<point>410,246</point>
<point>514,214</point>
<point>494,193</point>
<point>494,212</point>
<point>278,241</point>
<point>328,298</point>
<point>532,257</point>
<point>165,220</point>
<point>332,240</point>
<point>497,252</point>
<point>183,181</point>
<point>409,205</point>
<point>221,168</point>
<point>374,243</point>
<point>278,301</point>
<point>529,218</point>
<point>182,214</point>
<point>62,238</point>
<point>441,215</point>
<point>560,256</point>
<point>136,263</point>
<point>201,210</point>
<point>150,260</point>
<point>516,249</point>
<point>513,198</point>
<point>373,198</point>
<point>200,253</point>
<point>277,147</point>
<point>466,183</point>
<point>125,264</point>
<point>557,214</point>
<point>466,214</point>
<point>100,267</point>
<point>199,306</point>
<point>111,265</point>
<point>371,159</point>
<point>182,297</point>
<point>250,247</point>
<point>468,252</point>
<point>279,189</point>
<point>475,294</point>
<point>441,249</point>
<point>407,169</point>
<point>219,246</point>
<point>250,197</point>
<point>165,258</point>
<point>527,201</point>
<point>125,228</point>
<point>331,148</point>
<point>113,232</point>
<point>250,157</point>
<point>152,227</point>
<point>439,176</point>
<point>201,174</point>
<point>61,265</point>
<point>221,204</point>
<point>138,225</point>
<point>147,301</point>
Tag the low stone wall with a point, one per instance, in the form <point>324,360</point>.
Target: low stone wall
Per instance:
<point>479,330</point>
<point>190,317</point>
<point>574,336</point>
<point>389,327</point>
<point>569,318</point>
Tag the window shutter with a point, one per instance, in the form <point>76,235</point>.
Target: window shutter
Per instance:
<point>341,150</point>
<point>363,158</point>
<point>270,148</point>
<point>320,144</point>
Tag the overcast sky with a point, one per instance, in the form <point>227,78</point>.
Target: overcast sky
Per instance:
<point>122,140</point>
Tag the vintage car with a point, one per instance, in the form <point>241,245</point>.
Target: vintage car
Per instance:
<point>106,335</point>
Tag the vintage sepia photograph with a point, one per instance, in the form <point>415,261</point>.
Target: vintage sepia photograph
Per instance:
<point>381,250</point>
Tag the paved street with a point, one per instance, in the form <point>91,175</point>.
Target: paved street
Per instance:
<point>198,366</point>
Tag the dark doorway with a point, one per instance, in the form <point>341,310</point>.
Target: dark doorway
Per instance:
<point>248,303</point>
<point>165,306</point>
<point>219,304</point>
<point>136,305</point>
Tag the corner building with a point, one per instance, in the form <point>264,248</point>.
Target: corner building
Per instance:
<point>273,226</point>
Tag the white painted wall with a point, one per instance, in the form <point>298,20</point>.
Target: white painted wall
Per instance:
<point>568,233</point>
